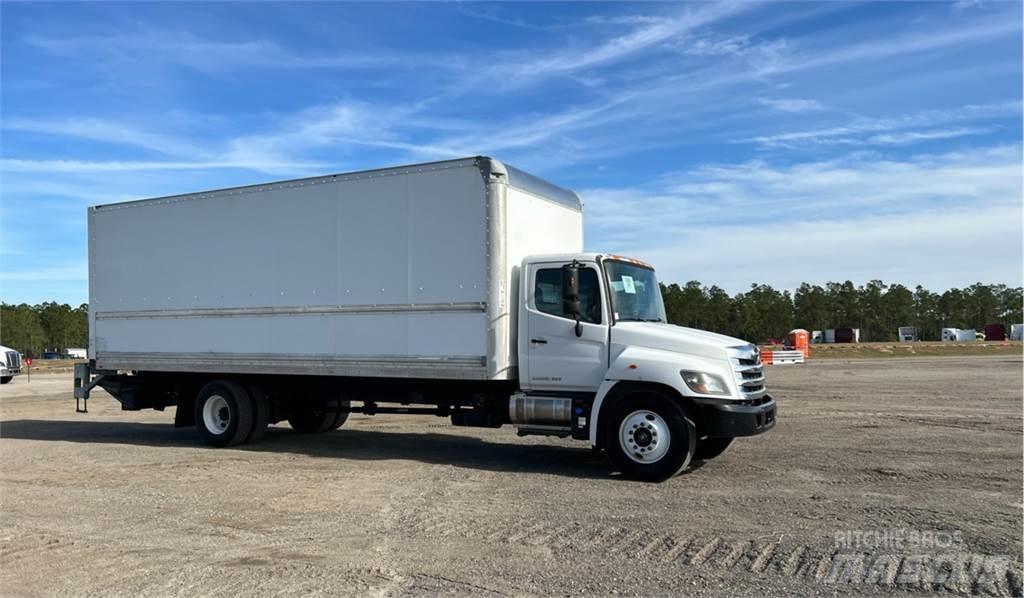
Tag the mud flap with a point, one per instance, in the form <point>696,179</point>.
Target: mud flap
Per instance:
<point>691,434</point>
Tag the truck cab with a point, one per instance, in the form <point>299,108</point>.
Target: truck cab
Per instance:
<point>595,343</point>
<point>10,364</point>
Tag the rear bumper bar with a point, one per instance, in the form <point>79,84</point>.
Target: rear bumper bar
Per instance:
<point>724,419</point>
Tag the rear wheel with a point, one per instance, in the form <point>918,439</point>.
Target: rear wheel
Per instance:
<point>224,413</point>
<point>649,437</point>
<point>321,417</point>
<point>709,448</point>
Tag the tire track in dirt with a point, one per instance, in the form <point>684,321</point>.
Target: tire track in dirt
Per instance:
<point>958,573</point>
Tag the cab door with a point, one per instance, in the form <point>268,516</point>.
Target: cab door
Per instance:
<point>558,359</point>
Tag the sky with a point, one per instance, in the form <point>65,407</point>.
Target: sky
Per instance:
<point>730,143</point>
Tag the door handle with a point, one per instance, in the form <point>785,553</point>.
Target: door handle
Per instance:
<point>539,341</point>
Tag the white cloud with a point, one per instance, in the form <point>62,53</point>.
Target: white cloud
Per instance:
<point>943,220</point>
<point>931,135</point>
<point>961,5</point>
<point>866,131</point>
<point>792,104</point>
<point>347,125</point>
<point>97,129</point>
<point>919,41</point>
<point>341,125</point>
<point>66,282</point>
<point>623,20</point>
<point>15,165</point>
<point>75,272</point>
<point>213,55</point>
<point>648,33</point>
<point>734,45</point>
<point>495,14</point>
<point>936,248</point>
<point>757,54</point>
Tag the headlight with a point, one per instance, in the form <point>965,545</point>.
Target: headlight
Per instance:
<point>704,383</point>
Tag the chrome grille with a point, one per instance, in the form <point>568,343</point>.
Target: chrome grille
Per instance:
<point>746,366</point>
<point>13,361</point>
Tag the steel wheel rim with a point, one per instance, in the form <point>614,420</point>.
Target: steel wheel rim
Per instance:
<point>644,436</point>
<point>216,414</point>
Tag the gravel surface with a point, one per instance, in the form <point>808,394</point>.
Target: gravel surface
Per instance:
<point>882,477</point>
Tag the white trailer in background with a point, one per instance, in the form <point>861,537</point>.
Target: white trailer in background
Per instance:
<point>458,289</point>
<point>966,336</point>
<point>1016,332</point>
<point>907,334</point>
<point>958,335</point>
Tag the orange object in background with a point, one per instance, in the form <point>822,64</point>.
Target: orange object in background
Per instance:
<point>800,340</point>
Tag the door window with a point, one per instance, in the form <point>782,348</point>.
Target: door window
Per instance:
<point>547,294</point>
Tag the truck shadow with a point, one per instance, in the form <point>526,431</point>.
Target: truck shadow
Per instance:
<point>369,445</point>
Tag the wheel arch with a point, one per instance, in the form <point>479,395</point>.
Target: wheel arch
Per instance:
<point>644,368</point>
<point>614,391</point>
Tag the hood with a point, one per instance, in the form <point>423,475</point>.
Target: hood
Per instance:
<point>679,339</point>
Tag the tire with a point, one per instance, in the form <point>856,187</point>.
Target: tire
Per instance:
<point>6,379</point>
<point>709,448</point>
<point>342,417</point>
<point>224,413</point>
<point>649,437</point>
<point>322,417</point>
<point>260,413</point>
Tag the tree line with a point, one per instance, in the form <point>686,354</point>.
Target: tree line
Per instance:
<point>876,308</point>
<point>756,315</point>
<point>33,329</point>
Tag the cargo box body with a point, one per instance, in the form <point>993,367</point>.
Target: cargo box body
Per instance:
<point>402,272</point>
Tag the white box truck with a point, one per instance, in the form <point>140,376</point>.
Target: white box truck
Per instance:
<point>456,288</point>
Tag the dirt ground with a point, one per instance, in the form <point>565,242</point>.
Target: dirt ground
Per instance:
<point>882,477</point>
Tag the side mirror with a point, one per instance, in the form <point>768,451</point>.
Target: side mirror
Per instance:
<point>571,290</point>
<point>571,294</point>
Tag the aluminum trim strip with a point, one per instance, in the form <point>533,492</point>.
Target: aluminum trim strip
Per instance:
<point>399,366</point>
<point>468,360</point>
<point>298,310</point>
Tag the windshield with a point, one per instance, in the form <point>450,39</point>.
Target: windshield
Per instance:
<point>636,295</point>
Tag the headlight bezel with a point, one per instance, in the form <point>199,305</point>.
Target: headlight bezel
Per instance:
<point>705,383</point>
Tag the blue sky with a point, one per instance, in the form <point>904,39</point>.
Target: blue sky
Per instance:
<point>730,143</point>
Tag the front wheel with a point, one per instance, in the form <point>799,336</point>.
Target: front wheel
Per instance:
<point>6,379</point>
<point>649,436</point>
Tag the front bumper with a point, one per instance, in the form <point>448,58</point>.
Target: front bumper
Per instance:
<point>730,419</point>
